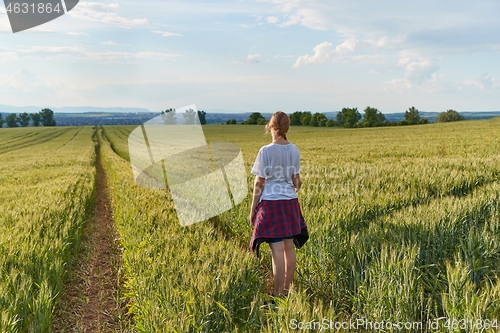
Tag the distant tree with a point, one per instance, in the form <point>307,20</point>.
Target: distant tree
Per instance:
<point>12,120</point>
<point>24,119</point>
<point>318,119</point>
<point>189,117</point>
<point>2,121</point>
<point>295,118</point>
<point>393,123</point>
<point>168,117</point>
<point>341,116</point>
<point>47,117</point>
<point>412,116</point>
<point>231,122</point>
<point>423,121</point>
<point>449,116</point>
<point>372,117</point>
<point>348,117</point>
<point>36,117</point>
<point>255,118</point>
<point>306,118</point>
<point>201,117</point>
<point>330,123</point>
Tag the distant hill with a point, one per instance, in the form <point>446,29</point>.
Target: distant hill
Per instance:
<point>103,118</point>
<point>68,109</point>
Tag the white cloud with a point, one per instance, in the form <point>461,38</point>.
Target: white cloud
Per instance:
<point>272,19</point>
<point>323,52</point>
<point>257,79</point>
<point>8,56</point>
<point>365,58</point>
<point>417,69</point>
<point>49,52</point>
<point>77,33</point>
<point>347,46</point>
<point>306,13</point>
<point>2,10</point>
<point>385,42</point>
<point>113,43</point>
<point>22,80</point>
<point>400,84</point>
<point>433,26</point>
<point>80,53</point>
<point>40,89</point>
<point>166,33</point>
<point>117,56</point>
<point>483,82</point>
<point>104,13</point>
<point>252,58</point>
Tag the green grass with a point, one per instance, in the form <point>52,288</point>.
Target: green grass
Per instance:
<point>179,279</point>
<point>46,192</point>
<point>404,225</point>
<point>399,219</point>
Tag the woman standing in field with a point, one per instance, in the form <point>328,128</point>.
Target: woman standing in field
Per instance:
<point>275,213</point>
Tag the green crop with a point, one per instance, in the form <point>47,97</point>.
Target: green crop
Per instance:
<point>404,225</point>
<point>47,190</point>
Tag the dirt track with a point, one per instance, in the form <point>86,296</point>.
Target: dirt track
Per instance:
<point>91,301</point>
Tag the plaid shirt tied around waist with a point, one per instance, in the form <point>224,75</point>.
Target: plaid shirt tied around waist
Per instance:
<point>278,219</point>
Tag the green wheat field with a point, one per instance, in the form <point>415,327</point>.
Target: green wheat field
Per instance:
<point>404,227</point>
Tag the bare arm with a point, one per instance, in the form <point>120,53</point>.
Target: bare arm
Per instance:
<point>297,183</point>
<point>258,187</point>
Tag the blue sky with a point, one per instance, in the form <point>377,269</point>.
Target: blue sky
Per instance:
<point>259,55</point>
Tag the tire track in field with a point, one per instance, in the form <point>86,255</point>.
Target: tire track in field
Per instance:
<point>78,131</point>
<point>113,147</point>
<point>92,299</point>
<point>362,220</point>
<point>34,140</point>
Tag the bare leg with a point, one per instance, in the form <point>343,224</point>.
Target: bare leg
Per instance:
<point>278,251</point>
<point>290,262</point>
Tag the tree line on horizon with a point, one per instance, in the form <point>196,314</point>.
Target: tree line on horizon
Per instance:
<point>351,118</point>
<point>347,118</point>
<point>44,118</point>
<point>169,117</point>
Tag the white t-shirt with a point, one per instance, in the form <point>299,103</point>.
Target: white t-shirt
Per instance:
<point>277,163</point>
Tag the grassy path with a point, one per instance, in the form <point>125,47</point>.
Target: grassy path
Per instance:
<point>92,301</point>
